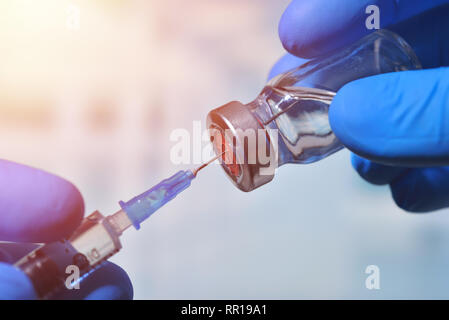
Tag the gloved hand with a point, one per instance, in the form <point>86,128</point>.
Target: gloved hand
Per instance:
<point>398,122</point>
<point>36,207</point>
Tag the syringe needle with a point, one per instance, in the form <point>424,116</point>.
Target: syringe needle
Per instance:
<point>144,205</point>
<point>195,171</point>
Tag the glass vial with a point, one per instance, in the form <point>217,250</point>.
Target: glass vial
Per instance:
<point>288,121</point>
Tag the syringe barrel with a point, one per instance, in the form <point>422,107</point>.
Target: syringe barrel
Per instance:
<point>51,265</point>
<point>96,239</point>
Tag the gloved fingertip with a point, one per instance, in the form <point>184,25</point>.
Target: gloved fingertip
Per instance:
<point>309,29</point>
<point>376,173</point>
<point>405,198</point>
<point>422,189</point>
<point>14,284</point>
<point>291,33</point>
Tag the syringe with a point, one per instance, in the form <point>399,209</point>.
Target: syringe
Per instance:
<point>97,238</point>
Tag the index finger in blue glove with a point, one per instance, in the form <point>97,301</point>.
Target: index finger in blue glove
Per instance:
<point>395,119</point>
<point>312,28</point>
<point>36,206</point>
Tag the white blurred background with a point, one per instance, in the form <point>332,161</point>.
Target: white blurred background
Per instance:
<point>94,100</point>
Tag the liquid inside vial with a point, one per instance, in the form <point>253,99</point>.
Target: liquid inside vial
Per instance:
<point>224,147</point>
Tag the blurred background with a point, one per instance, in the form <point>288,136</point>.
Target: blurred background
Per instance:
<point>91,90</point>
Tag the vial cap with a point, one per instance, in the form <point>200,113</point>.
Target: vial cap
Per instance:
<point>235,130</point>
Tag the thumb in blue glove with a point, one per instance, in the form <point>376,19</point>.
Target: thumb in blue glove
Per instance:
<point>399,120</point>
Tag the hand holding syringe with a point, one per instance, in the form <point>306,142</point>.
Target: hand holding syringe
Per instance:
<point>97,238</point>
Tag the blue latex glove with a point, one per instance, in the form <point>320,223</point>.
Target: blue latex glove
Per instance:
<point>36,206</point>
<point>399,120</point>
